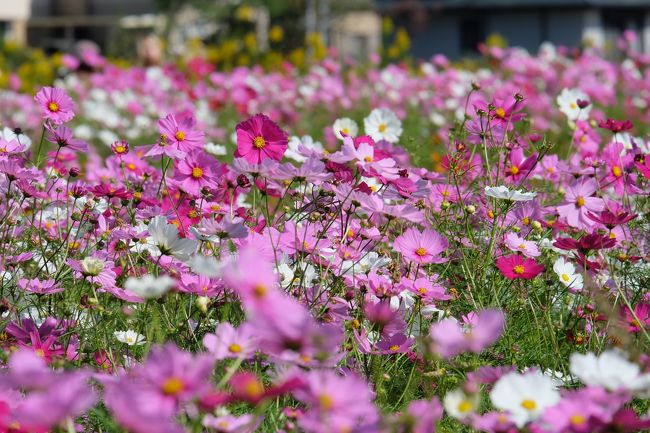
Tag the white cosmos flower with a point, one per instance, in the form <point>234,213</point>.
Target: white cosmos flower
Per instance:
<point>568,103</point>
<point>567,274</point>
<point>16,134</point>
<point>296,143</point>
<point>215,149</point>
<point>502,192</point>
<point>524,396</point>
<point>610,370</point>
<point>345,125</point>
<point>460,405</point>
<point>164,240</point>
<point>129,337</point>
<point>149,286</point>
<point>383,124</point>
<point>286,273</point>
<point>208,266</point>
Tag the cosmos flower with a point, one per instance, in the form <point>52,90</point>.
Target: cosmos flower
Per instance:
<point>503,193</point>
<point>129,337</point>
<point>515,266</point>
<point>524,396</point>
<point>55,105</point>
<point>566,272</point>
<point>569,102</point>
<point>345,126</point>
<point>259,138</point>
<point>449,338</point>
<point>383,124</point>
<point>422,247</point>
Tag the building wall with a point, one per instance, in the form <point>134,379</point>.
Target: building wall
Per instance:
<point>523,29</point>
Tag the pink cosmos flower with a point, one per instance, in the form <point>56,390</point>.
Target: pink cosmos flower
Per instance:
<point>55,105</point>
<point>181,132</point>
<point>62,137</point>
<point>449,338</point>
<point>194,172</point>
<point>336,404</point>
<point>421,247</point>
<point>228,342</point>
<point>259,138</point>
<point>519,167</point>
<point>579,201</point>
<point>40,287</point>
<point>515,266</point>
<point>639,320</point>
<point>520,245</point>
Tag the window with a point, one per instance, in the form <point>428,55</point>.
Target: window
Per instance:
<point>472,32</point>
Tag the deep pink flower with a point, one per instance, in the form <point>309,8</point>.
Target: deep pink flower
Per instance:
<point>259,138</point>
<point>55,105</point>
<point>516,266</point>
<point>616,125</point>
<point>638,320</point>
<point>421,247</point>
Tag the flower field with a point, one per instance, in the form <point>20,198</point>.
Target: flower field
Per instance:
<point>339,249</point>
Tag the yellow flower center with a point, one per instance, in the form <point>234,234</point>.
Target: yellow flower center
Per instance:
<point>616,171</point>
<point>368,159</point>
<point>259,142</point>
<point>394,347</point>
<point>40,352</point>
<point>180,135</point>
<point>500,113</point>
<point>197,173</point>
<point>514,170</point>
<point>526,221</point>
<point>53,107</point>
<point>259,291</point>
<point>234,348</point>
<point>120,149</point>
<point>522,247</point>
<point>131,166</point>
<point>519,269</point>
<point>580,201</point>
<point>382,127</point>
<point>305,245</point>
<point>565,278</point>
<point>172,386</point>
<point>528,404</point>
<point>577,419</point>
<point>465,406</point>
<point>573,105</point>
<point>326,402</point>
<point>345,131</point>
<point>422,290</point>
<point>421,252</point>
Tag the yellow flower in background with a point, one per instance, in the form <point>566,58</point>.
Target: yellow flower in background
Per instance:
<point>245,13</point>
<point>387,26</point>
<point>276,33</point>
<point>402,40</point>
<point>250,41</point>
<point>496,40</point>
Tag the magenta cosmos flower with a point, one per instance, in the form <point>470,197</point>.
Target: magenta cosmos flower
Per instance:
<point>515,266</point>
<point>55,104</point>
<point>259,138</point>
<point>421,247</point>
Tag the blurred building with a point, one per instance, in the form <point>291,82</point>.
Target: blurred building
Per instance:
<point>57,24</point>
<point>13,19</point>
<point>455,27</point>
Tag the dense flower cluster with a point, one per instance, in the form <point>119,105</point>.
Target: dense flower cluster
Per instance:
<point>299,287</point>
